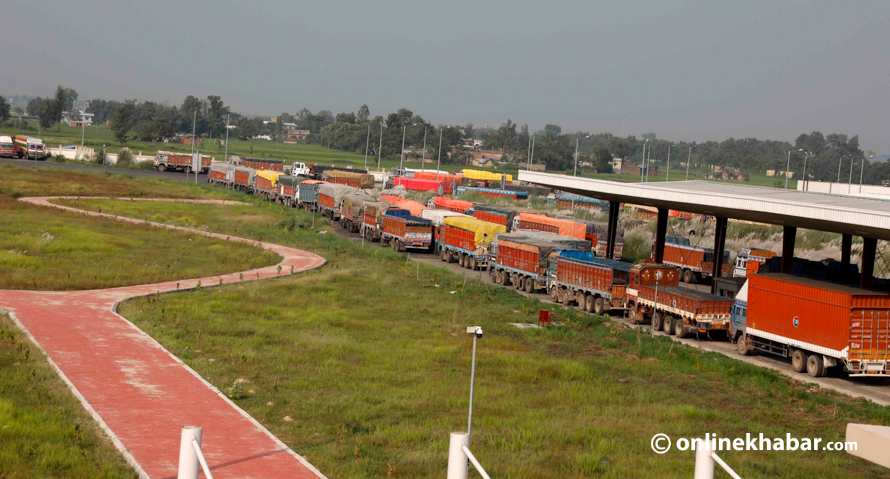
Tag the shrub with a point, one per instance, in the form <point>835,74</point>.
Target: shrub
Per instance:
<point>125,157</point>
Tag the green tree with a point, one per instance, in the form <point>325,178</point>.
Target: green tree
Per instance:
<point>47,114</point>
<point>4,110</point>
<point>620,147</point>
<point>71,98</point>
<point>555,129</point>
<point>59,103</point>
<point>363,114</point>
<point>120,122</point>
<point>34,106</point>
<point>602,159</point>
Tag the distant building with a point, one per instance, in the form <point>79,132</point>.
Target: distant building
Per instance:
<point>77,116</point>
<point>535,166</point>
<point>472,143</point>
<point>616,165</point>
<point>297,134</point>
<point>635,169</point>
<point>188,139</point>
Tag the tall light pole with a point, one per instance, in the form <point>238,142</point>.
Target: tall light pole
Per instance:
<point>83,124</point>
<point>648,161</point>
<point>862,172</point>
<point>439,161</point>
<point>850,181</point>
<point>576,156</point>
<point>528,154</point>
<point>227,138</point>
<point>688,160</point>
<point>194,121</point>
<point>367,144</point>
<point>404,128</point>
<point>839,161</point>
<point>643,160</point>
<point>623,119</point>
<point>380,148</point>
<point>667,176</point>
<point>532,160</point>
<point>788,168</point>
<point>476,331</point>
<point>423,155</point>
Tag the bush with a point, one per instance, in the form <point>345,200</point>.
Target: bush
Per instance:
<point>99,157</point>
<point>125,157</point>
<point>145,165</point>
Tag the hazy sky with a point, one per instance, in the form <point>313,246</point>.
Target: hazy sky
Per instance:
<point>685,70</point>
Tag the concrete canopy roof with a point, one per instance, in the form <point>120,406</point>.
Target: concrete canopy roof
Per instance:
<point>852,215</point>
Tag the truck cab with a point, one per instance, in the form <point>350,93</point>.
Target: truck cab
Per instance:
<point>7,149</point>
<point>299,169</point>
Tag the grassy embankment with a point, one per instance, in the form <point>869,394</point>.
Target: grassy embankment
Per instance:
<point>369,357</point>
<point>48,249</point>
<point>44,431</point>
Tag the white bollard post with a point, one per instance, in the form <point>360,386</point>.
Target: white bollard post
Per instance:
<point>457,460</point>
<point>188,459</point>
<point>704,464</point>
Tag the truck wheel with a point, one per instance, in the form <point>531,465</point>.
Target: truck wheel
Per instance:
<point>579,298</point>
<point>589,301</point>
<point>384,242</point>
<point>742,345</point>
<point>460,259</point>
<point>565,297</point>
<point>517,281</point>
<point>669,325</point>
<point>444,255</point>
<point>680,330</point>
<point>529,285</point>
<point>799,361</point>
<point>161,168</point>
<point>656,321</point>
<point>505,278</point>
<point>599,306</point>
<point>554,294</point>
<point>472,263</point>
<point>451,257</point>
<point>688,277</point>
<point>815,366</point>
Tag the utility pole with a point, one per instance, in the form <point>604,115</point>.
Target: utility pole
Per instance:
<point>439,161</point>
<point>367,144</point>
<point>576,156</point>
<point>423,155</point>
<point>402,158</point>
<point>850,181</point>
<point>533,154</point>
<point>528,153</point>
<point>688,160</point>
<point>788,168</point>
<point>380,147</point>
<point>667,176</point>
<point>227,138</point>
<point>643,161</point>
<point>194,120</point>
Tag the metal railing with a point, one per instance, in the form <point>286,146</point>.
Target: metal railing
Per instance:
<point>705,458</point>
<point>190,455</point>
<point>459,455</point>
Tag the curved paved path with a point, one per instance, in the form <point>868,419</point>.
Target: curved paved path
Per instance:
<point>140,393</point>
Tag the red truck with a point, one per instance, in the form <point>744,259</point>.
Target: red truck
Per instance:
<point>265,183</point>
<point>168,160</point>
<point>258,163</point>
<point>458,206</point>
<point>596,285</point>
<point>245,179</point>
<point>521,259</point>
<point>330,196</point>
<point>817,324</point>
<point>694,262</point>
<point>653,292</point>
<point>402,231</point>
<point>351,210</point>
<point>372,219</point>
<point>7,147</point>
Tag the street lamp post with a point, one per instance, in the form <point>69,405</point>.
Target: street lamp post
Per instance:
<point>788,168</point>
<point>367,144</point>
<point>476,331</point>
<point>227,138</point>
<point>643,160</point>
<point>667,176</point>
<point>576,156</point>
<point>380,147</point>
<point>862,172</point>
<point>850,181</point>
<point>404,128</point>
<point>839,161</point>
<point>423,155</point>
<point>688,160</point>
<point>439,161</point>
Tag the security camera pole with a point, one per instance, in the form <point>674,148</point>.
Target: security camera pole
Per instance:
<point>476,331</point>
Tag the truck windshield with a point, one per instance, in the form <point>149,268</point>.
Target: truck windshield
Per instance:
<point>5,145</point>
<point>37,147</point>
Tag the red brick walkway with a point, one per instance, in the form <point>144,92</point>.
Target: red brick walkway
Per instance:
<point>140,393</point>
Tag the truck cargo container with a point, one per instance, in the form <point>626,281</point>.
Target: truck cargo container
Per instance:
<point>466,240</point>
<point>572,201</point>
<point>169,160</point>
<point>319,172</point>
<point>372,218</point>
<point>307,192</point>
<point>221,173</point>
<point>437,217</point>
<point>7,147</point>
<point>750,260</point>
<point>522,260</point>
<point>28,147</point>
<point>355,180</point>
<point>414,184</point>
<point>501,215</point>
<point>258,163</point>
<point>286,189</point>
<point>351,210</point>
<point>694,262</point>
<point>485,175</point>
<point>596,285</point>
<point>493,192</point>
<point>529,221</point>
<point>265,183</point>
<point>817,324</point>
<point>458,206</point>
<point>653,292</point>
<point>245,179</point>
<point>432,175</point>
<point>404,231</point>
<point>330,196</point>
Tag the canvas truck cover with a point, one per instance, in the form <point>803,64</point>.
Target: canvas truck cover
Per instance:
<point>335,191</point>
<point>484,175</point>
<point>410,220</point>
<point>288,180</point>
<point>269,175</point>
<point>354,202</point>
<point>563,241</point>
<point>565,227</point>
<point>431,175</point>
<point>442,187</point>
<point>485,231</point>
<point>449,203</point>
<point>597,228</point>
<point>413,206</point>
<point>392,199</point>
<point>365,180</point>
<point>376,208</point>
<point>437,217</point>
<point>542,248</point>
<point>220,167</point>
<point>509,213</point>
<point>250,171</point>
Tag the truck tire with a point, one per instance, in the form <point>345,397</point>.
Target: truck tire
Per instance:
<point>472,263</point>
<point>554,294</point>
<point>799,360</point>
<point>452,257</point>
<point>688,277</point>
<point>444,255</point>
<point>742,345</point>
<point>579,298</point>
<point>815,366</point>
<point>656,321</point>
<point>529,285</point>
<point>565,297</point>
<point>680,330</point>
<point>589,301</point>
<point>161,168</point>
<point>599,306</point>
<point>669,324</point>
<point>517,281</point>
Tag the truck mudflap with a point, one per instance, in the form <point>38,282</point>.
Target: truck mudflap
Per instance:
<point>867,368</point>
<point>712,326</point>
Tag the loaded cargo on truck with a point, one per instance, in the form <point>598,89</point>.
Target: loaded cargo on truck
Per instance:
<point>403,230</point>
<point>221,173</point>
<point>438,187</point>
<point>307,192</point>
<point>653,293</point>
<point>818,324</point>
<point>493,192</point>
<point>351,210</point>
<point>501,215</point>
<point>245,179</point>
<point>258,163</point>
<point>7,147</point>
<point>694,262</point>
<point>596,285</point>
<point>437,217</point>
<point>265,183</point>
<point>355,180</point>
<point>466,240</point>
<point>372,218</point>
<point>458,206</point>
<point>286,189</point>
<point>330,196</point>
<point>539,222</point>
<point>170,160</point>
<point>521,259</point>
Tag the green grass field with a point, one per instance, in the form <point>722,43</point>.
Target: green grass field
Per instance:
<point>369,357</point>
<point>44,431</point>
<point>48,249</point>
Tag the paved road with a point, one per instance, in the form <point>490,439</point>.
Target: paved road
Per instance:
<point>877,390</point>
<point>178,176</point>
<point>137,391</point>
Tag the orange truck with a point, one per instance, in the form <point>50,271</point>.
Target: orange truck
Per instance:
<point>27,147</point>
<point>653,294</point>
<point>750,260</point>
<point>7,148</point>
<point>403,230</point>
<point>169,160</point>
<point>694,262</point>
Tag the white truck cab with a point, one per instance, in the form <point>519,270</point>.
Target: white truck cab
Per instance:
<point>299,169</point>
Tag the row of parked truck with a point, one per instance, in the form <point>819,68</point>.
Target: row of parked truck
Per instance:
<point>818,324</point>
<point>21,146</point>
